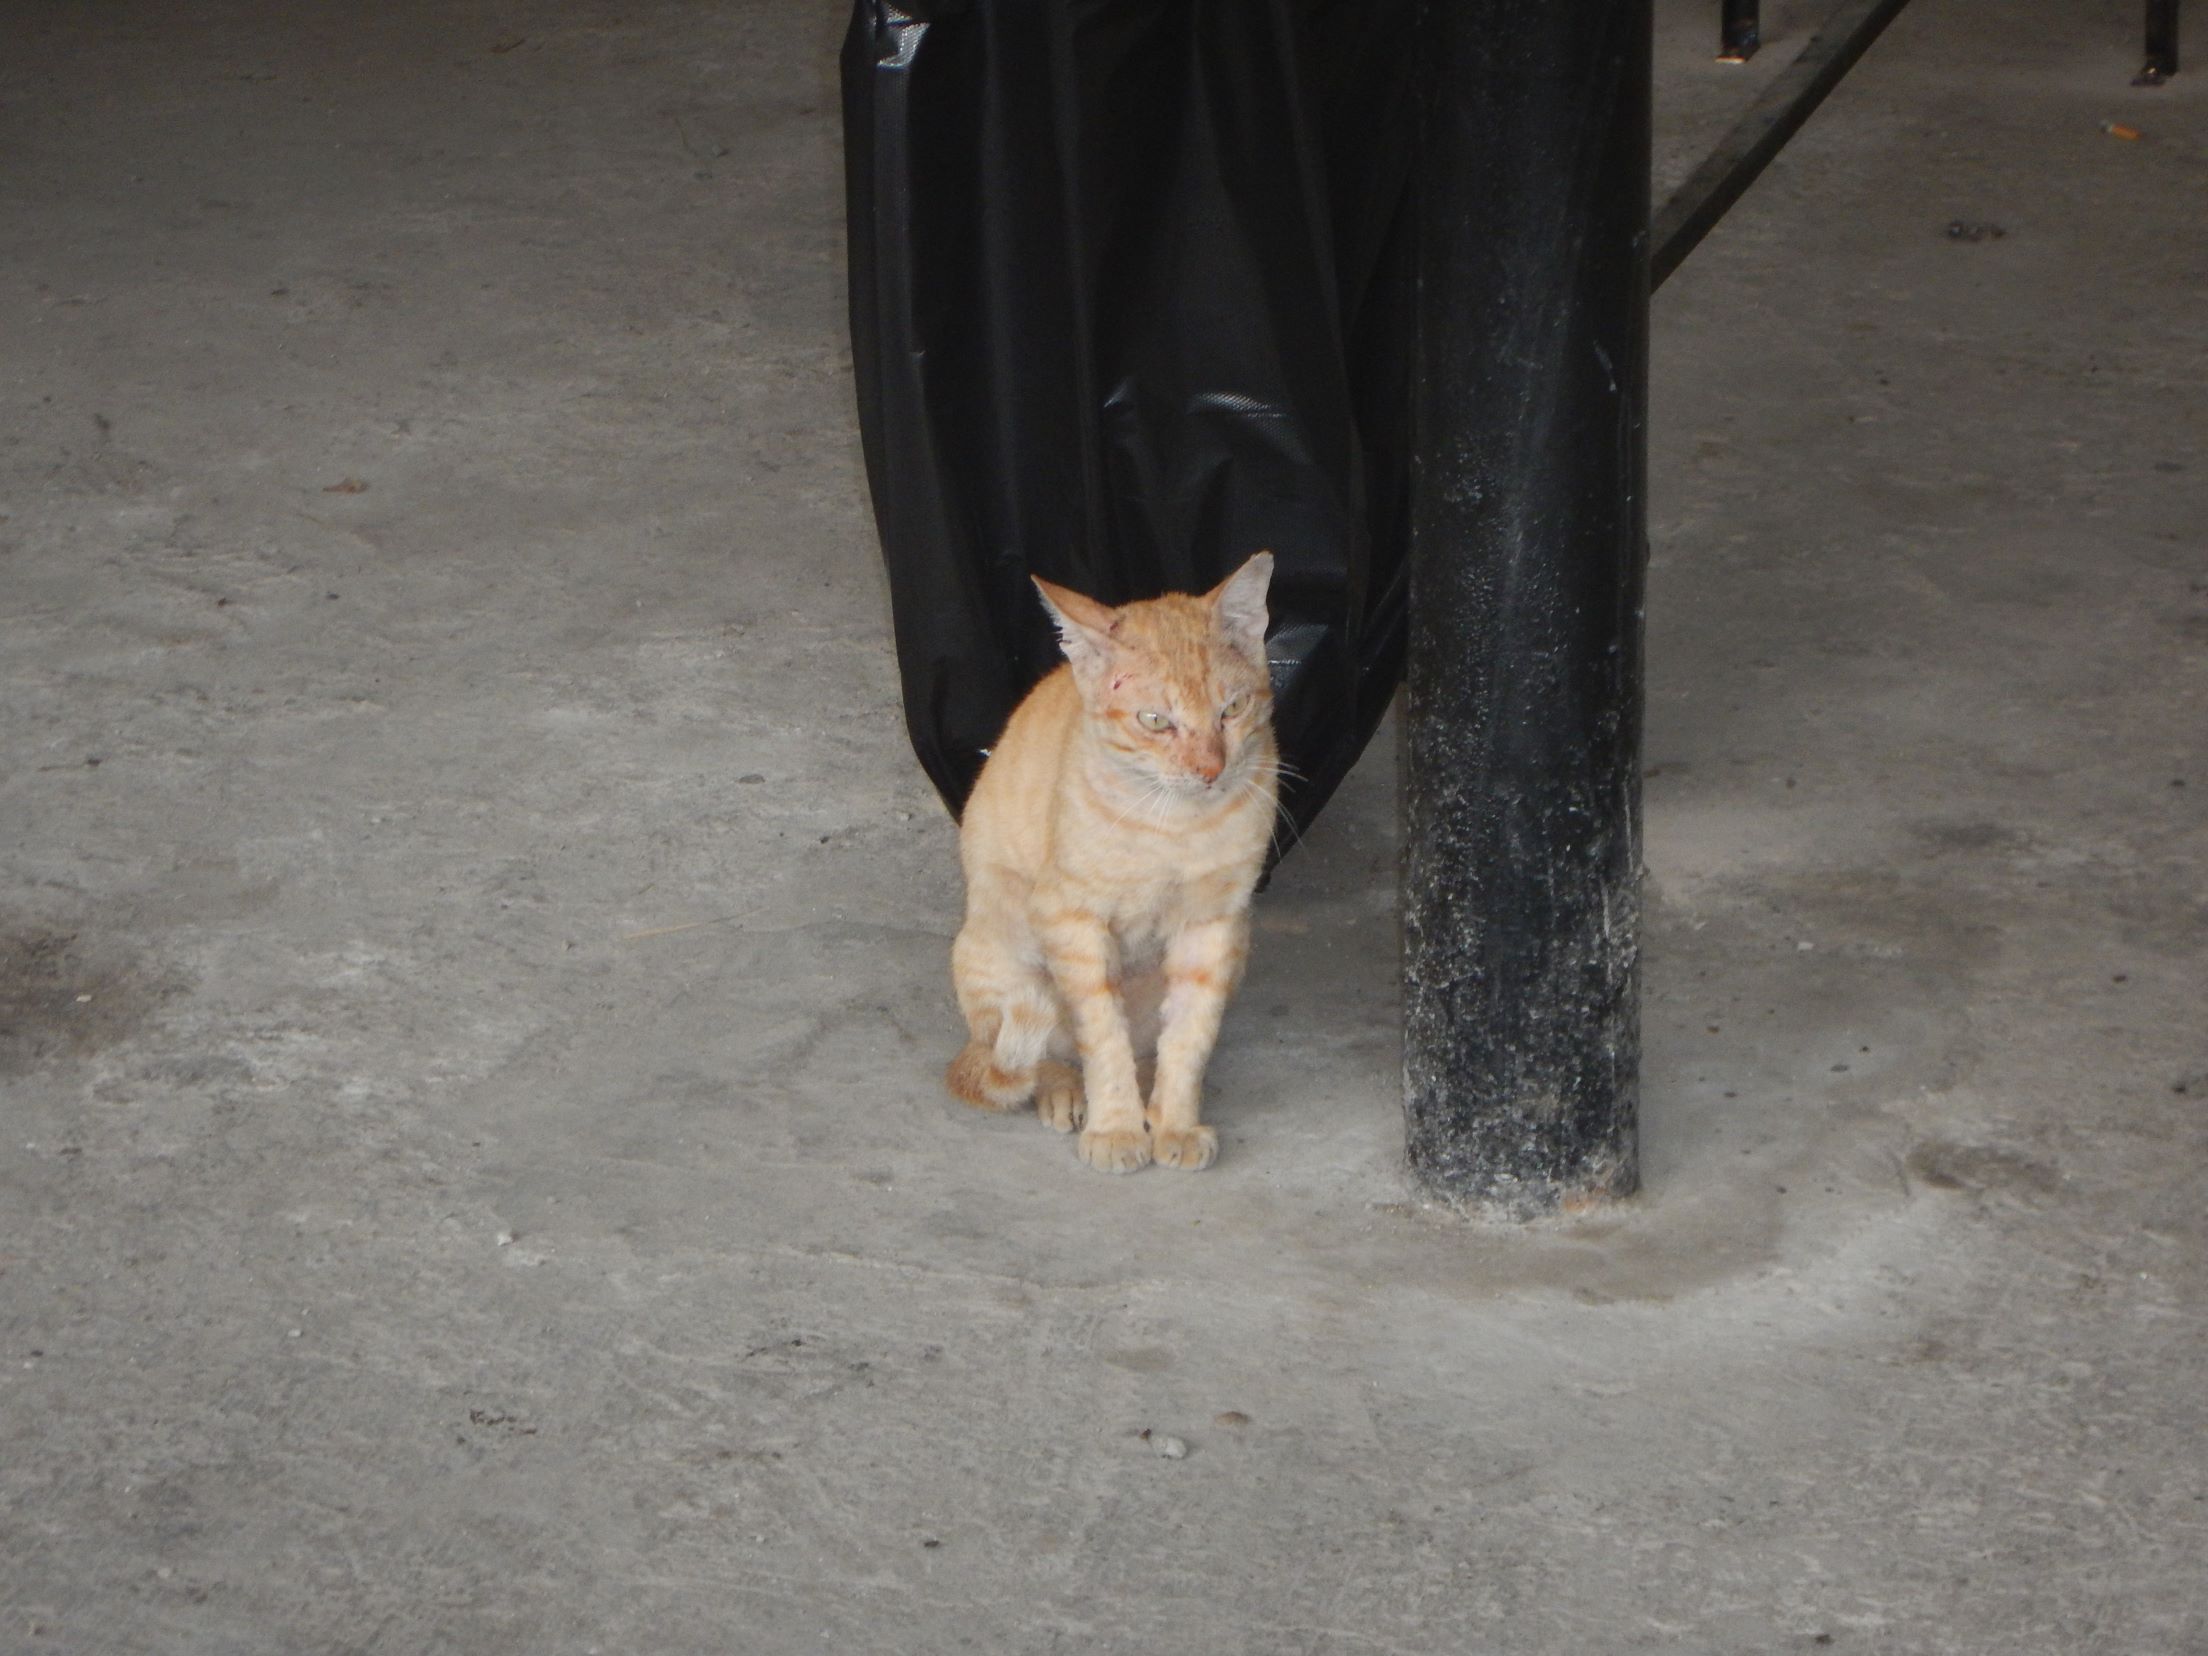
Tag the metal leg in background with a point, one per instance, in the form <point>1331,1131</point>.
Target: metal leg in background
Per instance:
<point>1739,31</point>
<point>1521,784</point>
<point>2161,43</point>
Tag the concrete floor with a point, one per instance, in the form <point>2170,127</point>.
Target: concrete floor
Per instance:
<point>473,939</point>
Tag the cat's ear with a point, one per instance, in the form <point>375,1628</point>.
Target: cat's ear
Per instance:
<point>1085,627</point>
<point>1238,605</point>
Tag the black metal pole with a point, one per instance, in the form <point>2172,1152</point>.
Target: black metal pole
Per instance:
<point>1528,547</point>
<point>1739,30</point>
<point>2161,43</point>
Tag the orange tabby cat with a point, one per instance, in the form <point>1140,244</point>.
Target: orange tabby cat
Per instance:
<point>1110,848</point>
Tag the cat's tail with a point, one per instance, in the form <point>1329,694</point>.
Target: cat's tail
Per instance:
<point>996,1069</point>
<point>975,1078</point>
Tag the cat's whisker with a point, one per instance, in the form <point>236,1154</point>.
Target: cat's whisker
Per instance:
<point>1286,820</point>
<point>1280,767</point>
<point>1140,803</point>
<point>1156,800</point>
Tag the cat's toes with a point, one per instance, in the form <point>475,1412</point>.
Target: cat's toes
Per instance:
<point>1187,1148</point>
<point>1058,1097</point>
<point>1115,1150</point>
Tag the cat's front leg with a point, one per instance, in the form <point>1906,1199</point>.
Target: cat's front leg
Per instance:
<point>1203,962</point>
<point>1084,961</point>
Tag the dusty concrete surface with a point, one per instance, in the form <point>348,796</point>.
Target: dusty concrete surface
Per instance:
<point>474,947</point>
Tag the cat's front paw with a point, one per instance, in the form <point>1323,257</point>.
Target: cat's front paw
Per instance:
<point>1189,1149</point>
<point>1115,1149</point>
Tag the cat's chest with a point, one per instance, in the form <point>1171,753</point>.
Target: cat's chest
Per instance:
<point>1145,917</point>
<point>1142,935</point>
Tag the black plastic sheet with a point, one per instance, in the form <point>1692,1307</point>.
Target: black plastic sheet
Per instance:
<point>1130,300</point>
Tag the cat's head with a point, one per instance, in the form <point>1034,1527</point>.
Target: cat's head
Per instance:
<point>1176,688</point>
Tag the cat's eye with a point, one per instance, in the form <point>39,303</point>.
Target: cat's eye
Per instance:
<point>1235,705</point>
<point>1155,723</point>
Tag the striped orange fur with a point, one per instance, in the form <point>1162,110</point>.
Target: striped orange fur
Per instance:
<point>1110,848</point>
